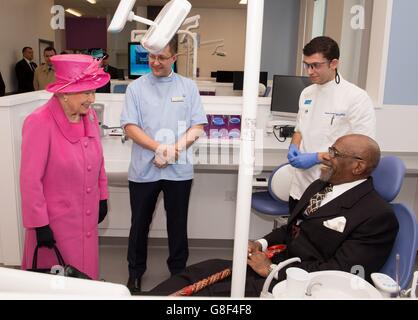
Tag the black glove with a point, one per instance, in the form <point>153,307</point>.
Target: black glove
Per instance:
<point>102,210</point>
<point>45,237</point>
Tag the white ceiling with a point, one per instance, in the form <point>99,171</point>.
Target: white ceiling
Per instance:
<point>103,7</point>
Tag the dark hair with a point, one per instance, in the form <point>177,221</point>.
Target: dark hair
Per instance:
<point>24,49</point>
<point>325,45</point>
<point>50,49</point>
<point>173,44</point>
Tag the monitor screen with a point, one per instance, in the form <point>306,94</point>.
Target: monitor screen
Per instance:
<point>239,79</point>
<point>138,60</point>
<point>286,93</point>
<point>225,76</point>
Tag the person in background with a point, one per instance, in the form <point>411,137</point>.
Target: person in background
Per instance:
<point>45,74</point>
<point>2,87</point>
<point>63,183</point>
<point>108,68</point>
<point>25,70</point>
<point>112,71</point>
<point>328,109</point>
<point>163,115</point>
<point>340,223</point>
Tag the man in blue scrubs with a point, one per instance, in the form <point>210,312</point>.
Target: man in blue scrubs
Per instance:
<point>163,115</point>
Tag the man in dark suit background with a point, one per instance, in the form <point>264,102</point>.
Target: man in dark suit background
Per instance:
<point>2,87</point>
<point>114,74</point>
<point>340,223</point>
<point>25,70</point>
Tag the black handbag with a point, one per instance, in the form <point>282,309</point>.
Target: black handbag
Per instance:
<point>62,269</point>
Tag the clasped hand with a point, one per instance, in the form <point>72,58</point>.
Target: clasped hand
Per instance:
<point>166,154</point>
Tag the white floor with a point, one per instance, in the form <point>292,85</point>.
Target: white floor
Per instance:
<point>114,266</point>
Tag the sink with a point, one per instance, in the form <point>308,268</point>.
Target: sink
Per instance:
<point>336,285</point>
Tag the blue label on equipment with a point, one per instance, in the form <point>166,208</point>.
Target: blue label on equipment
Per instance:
<point>308,102</point>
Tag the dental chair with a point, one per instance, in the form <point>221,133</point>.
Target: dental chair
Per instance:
<point>274,202</point>
<point>388,178</point>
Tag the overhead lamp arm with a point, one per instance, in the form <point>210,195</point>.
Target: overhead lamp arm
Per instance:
<point>195,21</point>
<point>133,17</point>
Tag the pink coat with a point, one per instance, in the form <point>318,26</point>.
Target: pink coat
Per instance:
<point>62,180</point>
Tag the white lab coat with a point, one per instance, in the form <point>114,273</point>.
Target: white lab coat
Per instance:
<point>326,113</point>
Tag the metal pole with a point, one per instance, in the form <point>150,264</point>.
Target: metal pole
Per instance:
<point>194,39</point>
<point>247,154</point>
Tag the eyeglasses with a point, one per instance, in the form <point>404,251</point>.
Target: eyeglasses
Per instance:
<point>160,59</point>
<point>314,65</point>
<point>334,153</point>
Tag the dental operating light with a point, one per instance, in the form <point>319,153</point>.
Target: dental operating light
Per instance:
<point>122,15</point>
<point>162,30</point>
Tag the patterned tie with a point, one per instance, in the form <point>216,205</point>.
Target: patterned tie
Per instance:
<point>316,200</point>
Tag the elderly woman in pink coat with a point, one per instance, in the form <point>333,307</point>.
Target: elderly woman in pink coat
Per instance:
<point>62,178</point>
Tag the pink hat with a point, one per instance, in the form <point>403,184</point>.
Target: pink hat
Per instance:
<point>77,73</point>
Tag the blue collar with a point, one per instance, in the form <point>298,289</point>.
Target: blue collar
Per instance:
<point>169,78</point>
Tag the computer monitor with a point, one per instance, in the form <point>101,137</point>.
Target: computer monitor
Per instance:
<point>239,79</point>
<point>224,76</point>
<point>138,60</point>
<point>286,94</point>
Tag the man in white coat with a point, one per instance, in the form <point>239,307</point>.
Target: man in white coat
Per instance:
<point>328,109</point>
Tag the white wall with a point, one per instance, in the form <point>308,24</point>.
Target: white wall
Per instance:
<point>22,23</point>
<point>402,66</point>
<point>227,24</point>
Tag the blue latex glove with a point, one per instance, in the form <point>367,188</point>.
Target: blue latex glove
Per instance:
<point>293,152</point>
<point>305,160</point>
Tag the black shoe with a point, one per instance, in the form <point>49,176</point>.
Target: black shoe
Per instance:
<point>176,272</point>
<point>134,285</point>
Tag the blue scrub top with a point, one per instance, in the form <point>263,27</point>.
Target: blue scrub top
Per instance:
<point>164,108</point>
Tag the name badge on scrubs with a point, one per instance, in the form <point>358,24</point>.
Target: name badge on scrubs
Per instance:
<point>308,102</point>
<point>177,99</point>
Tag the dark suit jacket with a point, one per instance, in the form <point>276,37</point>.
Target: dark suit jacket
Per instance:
<point>24,76</point>
<point>2,86</point>
<point>368,237</point>
<point>112,71</point>
<point>113,75</point>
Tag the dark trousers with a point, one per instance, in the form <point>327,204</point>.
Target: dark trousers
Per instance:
<point>196,272</point>
<point>143,197</point>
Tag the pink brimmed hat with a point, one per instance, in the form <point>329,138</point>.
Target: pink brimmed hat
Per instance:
<point>77,73</point>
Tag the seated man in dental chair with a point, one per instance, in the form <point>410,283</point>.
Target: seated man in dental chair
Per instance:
<point>340,223</point>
